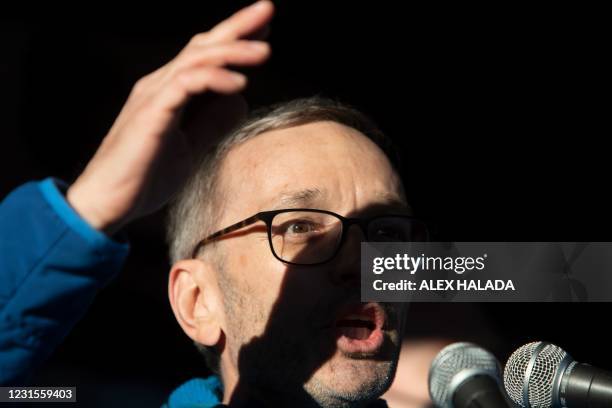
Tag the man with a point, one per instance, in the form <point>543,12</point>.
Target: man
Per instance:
<point>278,298</point>
<point>264,236</point>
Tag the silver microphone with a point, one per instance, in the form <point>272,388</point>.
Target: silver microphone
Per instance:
<point>542,375</point>
<point>464,375</point>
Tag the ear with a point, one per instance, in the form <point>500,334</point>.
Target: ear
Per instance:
<point>196,301</point>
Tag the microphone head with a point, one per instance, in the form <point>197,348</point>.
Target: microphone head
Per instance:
<point>455,364</point>
<point>533,374</point>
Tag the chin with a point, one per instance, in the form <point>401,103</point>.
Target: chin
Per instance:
<point>344,380</point>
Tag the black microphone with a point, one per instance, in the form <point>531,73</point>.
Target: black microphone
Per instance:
<point>542,375</point>
<point>464,375</point>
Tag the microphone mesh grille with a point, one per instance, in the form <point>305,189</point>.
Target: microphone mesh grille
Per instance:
<point>540,381</point>
<point>453,359</point>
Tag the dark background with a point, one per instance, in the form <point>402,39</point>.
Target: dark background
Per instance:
<point>498,113</point>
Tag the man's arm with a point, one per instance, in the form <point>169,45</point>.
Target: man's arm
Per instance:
<point>52,263</point>
<point>54,248</point>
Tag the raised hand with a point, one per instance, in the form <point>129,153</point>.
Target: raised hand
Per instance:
<point>145,156</point>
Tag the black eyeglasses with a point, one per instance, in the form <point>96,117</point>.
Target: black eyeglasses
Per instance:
<point>304,236</point>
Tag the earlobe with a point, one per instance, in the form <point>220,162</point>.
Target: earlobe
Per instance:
<point>194,297</point>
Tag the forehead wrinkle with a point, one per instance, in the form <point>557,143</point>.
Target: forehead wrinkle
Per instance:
<point>303,198</point>
<point>252,184</point>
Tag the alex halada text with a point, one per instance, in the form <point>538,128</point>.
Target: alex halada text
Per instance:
<point>444,285</point>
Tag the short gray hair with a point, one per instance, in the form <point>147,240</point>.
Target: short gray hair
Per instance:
<point>193,212</point>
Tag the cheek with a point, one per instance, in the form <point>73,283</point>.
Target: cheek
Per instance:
<point>256,278</point>
<point>242,261</point>
<point>263,274</point>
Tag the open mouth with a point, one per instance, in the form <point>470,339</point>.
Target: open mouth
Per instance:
<point>359,328</point>
<point>355,327</point>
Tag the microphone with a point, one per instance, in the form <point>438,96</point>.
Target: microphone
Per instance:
<point>542,375</point>
<point>464,375</point>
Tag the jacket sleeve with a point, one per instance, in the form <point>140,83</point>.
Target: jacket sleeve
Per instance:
<point>52,263</point>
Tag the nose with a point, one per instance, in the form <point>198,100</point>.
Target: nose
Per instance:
<point>346,270</point>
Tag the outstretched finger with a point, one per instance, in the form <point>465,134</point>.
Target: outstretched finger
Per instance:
<point>184,84</point>
<point>235,53</point>
<point>243,23</point>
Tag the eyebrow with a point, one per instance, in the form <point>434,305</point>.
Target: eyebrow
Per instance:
<point>393,200</point>
<point>389,202</point>
<point>300,198</point>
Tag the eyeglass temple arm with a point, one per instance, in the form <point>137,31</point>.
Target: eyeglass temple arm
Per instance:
<point>225,231</point>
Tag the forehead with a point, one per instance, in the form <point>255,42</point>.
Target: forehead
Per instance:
<point>323,164</point>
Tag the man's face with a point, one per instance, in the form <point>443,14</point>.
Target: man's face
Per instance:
<point>294,330</point>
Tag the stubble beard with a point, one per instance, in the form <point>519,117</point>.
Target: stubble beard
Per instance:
<point>275,366</point>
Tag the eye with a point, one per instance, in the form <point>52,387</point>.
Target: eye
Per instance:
<point>300,227</point>
<point>389,234</point>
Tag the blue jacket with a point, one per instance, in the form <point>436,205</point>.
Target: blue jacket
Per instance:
<point>52,263</point>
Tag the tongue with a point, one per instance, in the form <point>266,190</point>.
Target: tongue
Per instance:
<point>357,333</point>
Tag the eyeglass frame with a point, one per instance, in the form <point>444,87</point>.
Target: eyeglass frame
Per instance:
<point>268,216</point>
